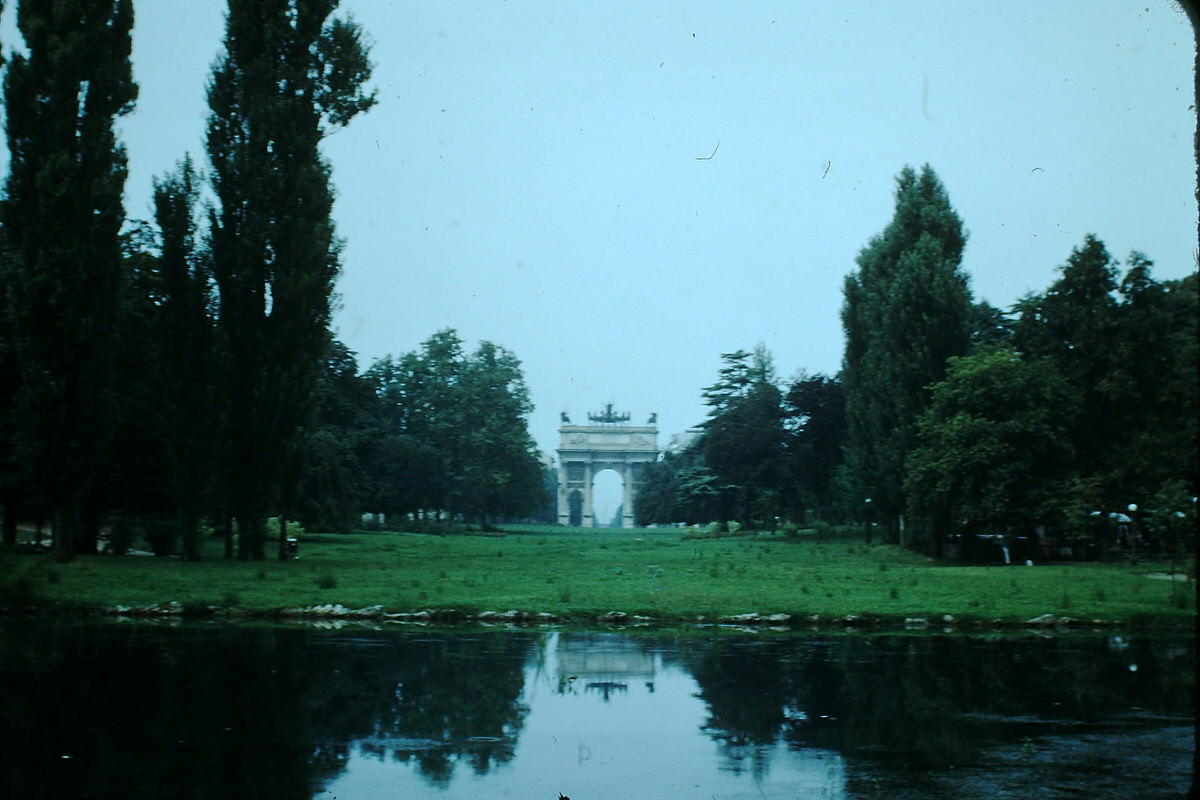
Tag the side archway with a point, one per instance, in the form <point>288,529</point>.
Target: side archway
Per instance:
<point>575,509</point>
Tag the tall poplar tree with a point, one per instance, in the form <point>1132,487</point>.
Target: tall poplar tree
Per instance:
<point>62,214</point>
<point>10,490</point>
<point>183,330</point>
<point>290,73</point>
<point>906,310</point>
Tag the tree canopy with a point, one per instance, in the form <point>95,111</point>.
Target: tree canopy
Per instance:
<point>455,432</point>
<point>993,448</point>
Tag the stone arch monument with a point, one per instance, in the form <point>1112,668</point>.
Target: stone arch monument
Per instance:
<point>607,442</point>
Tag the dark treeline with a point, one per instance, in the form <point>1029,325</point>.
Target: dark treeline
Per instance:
<point>1072,409</point>
<point>180,374</point>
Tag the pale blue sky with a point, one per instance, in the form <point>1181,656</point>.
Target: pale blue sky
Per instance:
<point>532,175</point>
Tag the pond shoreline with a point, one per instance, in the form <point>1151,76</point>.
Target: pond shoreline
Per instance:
<point>377,617</point>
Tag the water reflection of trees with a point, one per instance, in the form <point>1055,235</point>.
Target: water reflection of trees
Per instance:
<point>453,699</point>
<point>928,701</point>
<point>112,712</point>
<point>199,713</point>
<point>139,711</point>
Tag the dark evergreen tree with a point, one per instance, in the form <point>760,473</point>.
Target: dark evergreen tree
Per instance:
<point>289,74</point>
<point>906,310</point>
<point>63,214</point>
<point>1152,381</point>
<point>989,325</point>
<point>678,488</point>
<point>658,496</point>
<point>742,441</point>
<point>1073,324</point>
<point>1128,347</point>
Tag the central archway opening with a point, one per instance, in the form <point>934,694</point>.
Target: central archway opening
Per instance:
<point>608,488</point>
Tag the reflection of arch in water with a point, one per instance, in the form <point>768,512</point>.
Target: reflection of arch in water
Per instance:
<point>603,663</point>
<point>587,450</point>
<point>606,688</point>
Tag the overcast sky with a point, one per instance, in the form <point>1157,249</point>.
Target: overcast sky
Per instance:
<point>619,192</point>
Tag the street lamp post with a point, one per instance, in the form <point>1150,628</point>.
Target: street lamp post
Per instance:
<point>1133,528</point>
<point>870,522</point>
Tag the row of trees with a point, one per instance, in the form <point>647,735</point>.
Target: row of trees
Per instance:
<point>195,334</point>
<point>952,416</point>
<point>184,369</point>
<point>435,431</point>
<point>1084,401</point>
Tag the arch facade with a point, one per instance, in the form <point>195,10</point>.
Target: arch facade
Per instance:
<point>608,442</point>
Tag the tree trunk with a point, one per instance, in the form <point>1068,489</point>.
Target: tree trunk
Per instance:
<point>227,524</point>
<point>189,526</point>
<point>11,511</point>
<point>87,538</point>
<point>251,539</point>
<point>63,535</point>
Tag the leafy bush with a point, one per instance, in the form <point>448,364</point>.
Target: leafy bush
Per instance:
<point>294,529</point>
<point>715,530</point>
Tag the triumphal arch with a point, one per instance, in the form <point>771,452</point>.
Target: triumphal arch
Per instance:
<point>607,442</point>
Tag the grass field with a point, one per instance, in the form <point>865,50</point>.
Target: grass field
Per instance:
<point>580,574</point>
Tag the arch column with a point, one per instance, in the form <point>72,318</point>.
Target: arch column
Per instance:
<point>627,496</point>
<point>589,512</point>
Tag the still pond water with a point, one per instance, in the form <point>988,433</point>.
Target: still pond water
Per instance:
<point>197,712</point>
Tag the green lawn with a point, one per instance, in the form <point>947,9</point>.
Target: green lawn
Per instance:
<point>581,574</point>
